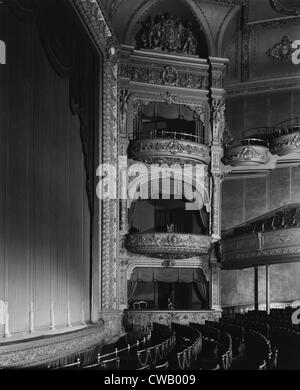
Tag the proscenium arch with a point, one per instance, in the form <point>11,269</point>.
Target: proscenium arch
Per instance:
<point>145,8</point>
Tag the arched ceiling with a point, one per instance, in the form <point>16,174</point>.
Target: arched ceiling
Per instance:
<point>213,17</point>
<point>219,19</point>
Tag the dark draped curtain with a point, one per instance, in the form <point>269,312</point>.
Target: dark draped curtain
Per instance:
<point>131,290</point>
<point>201,288</point>
<point>72,57</point>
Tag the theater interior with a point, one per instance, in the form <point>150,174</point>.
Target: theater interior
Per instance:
<point>150,197</point>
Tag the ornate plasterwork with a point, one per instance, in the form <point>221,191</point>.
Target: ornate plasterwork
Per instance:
<point>286,144</point>
<point>164,75</point>
<point>247,155</point>
<point>168,245</point>
<point>282,51</point>
<point>285,9</point>
<point>219,122</point>
<point>167,33</point>
<point>249,33</point>
<point>147,318</point>
<point>163,151</point>
<point>44,351</point>
<point>262,247</point>
<point>92,16</point>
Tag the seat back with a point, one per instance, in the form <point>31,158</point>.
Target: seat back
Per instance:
<point>164,366</point>
<point>112,364</point>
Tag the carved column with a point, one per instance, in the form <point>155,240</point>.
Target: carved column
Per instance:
<point>218,68</point>
<point>215,283</point>
<point>105,301</point>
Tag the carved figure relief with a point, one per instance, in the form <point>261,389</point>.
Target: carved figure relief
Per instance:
<point>167,33</point>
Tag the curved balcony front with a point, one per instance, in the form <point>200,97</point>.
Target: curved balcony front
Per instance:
<point>286,138</point>
<point>169,148</point>
<point>168,245</point>
<point>248,152</point>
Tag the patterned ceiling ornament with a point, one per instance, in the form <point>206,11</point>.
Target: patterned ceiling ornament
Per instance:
<point>167,33</point>
<point>286,7</point>
<point>170,76</point>
<point>282,51</point>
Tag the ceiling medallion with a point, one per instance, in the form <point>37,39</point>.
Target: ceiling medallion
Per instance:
<point>282,51</point>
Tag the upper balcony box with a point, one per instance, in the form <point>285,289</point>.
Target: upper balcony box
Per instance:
<point>286,138</point>
<point>248,152</point>
<point>169,134</point>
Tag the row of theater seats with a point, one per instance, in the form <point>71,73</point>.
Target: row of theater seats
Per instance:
<point>243,342</point>
<point>259,345</point>
<point>177,348</point>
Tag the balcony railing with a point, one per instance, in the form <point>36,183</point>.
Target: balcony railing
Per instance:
<point>168,245</point>
<point>168,134</point>
<point>283,138</point>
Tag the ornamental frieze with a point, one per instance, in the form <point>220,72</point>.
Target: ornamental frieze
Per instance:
<point>167,75</point>
<point>247,155</point>
<point>286,144</point>
<point>168,245</point>
<point>147,150</point>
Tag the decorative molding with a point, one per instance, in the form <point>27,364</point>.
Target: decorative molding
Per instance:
<point>145,319</point>
<point>247,155</point>
<point>93,18</point>
<point>285,9</point>
<point>168,245</point>
<point>43,351</point>
<point>286,144</point>
<point>263,86</point>
<point>167,75</point>
<point>282,51</point>
<point>274,237</point>
<point>169,151</point>
<point>166,33</point>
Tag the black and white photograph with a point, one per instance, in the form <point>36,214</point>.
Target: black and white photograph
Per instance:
<point>150,188</point>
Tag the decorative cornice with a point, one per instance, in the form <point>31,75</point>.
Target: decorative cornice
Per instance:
<point>165,75</point>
